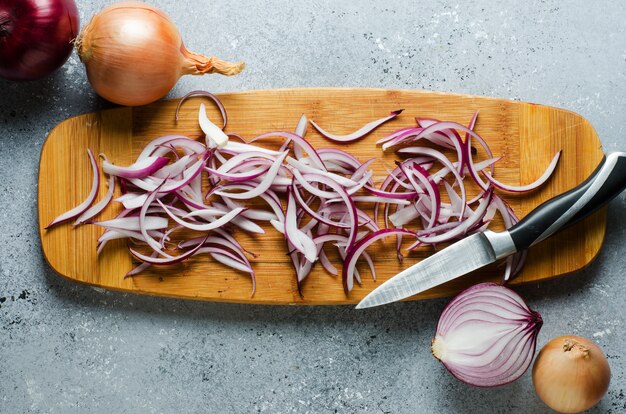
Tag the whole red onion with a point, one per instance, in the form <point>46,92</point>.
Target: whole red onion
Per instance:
<point>35,36</point>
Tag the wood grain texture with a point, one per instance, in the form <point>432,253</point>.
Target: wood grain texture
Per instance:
<point>526,135</point>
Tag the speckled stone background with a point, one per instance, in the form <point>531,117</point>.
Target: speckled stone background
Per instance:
<point>66,348</point>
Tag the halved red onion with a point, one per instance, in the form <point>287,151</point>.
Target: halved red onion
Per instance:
<point>486,336</point>
<point>361,132</point>
<point>93,193</point>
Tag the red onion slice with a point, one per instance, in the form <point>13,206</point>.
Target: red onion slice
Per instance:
<point>300,131</point>
<point>156,246</point>
<point>316,215</point>
<point>132,223</point>
<point>169,185</point>
<point>486,335</point>
<point>361,132</point>
<point>298,140</point>
<point>353,255</point>
<point>155,147</point>
<point>140,169</point>
<point>209,95</point>
<point>529,187</point>
<point>217,223</point>
<point>303,168</point>
<point>215,137</point>
<point>168,260</point>
<point>239,148</point>
<point>93,193</point>
<point>97,208</point>
<point>263,186</point>
<point>175,169</point>
<point>335,182</point>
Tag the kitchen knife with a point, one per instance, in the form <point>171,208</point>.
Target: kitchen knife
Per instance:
<point>481,249</point>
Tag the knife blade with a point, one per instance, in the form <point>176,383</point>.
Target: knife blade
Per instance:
<point>481,249</point>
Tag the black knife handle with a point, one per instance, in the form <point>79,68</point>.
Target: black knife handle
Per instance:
<point>605,183</point>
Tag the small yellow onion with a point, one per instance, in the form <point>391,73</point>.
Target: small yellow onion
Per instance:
<point>571,374</point>
<point>134,54</point>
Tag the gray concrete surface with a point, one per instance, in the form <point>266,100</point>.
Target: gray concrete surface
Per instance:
<point>66,348</point>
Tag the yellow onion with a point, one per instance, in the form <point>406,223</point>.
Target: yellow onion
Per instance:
<point>134,54</point>
<point>571,374</point>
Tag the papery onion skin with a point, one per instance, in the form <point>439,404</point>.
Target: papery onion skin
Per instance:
<point>134,54</point>
<point>571,374</point>
<point>35,37</point>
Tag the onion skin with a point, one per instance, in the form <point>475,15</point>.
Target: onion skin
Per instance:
<point>571,374</point>
<point>134,54</point>
<point>35,37</point>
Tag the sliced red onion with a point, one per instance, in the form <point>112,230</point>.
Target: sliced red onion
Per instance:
<point>236,177</point>
<point>209,95</point>
<point>300,131</point>
<point>334,179</point>
<point>269,197</point>
<point>140,268</point>
<point>403,216</point>
<point>415,171</point>
<point>299,240</point>
<point>303,168</point>
<point>238,148</point>
<point>252,214</point>
<point>240,221</point>
<point>225,257</point>
<point>156,246</point>
<point>114,234</point>
<point>202,227</point>
<point>341,157</point>
<point>352,220</point>
<point>97,208</point>
<point>215,137</point>
<point>93,193</point>
<point>394,134</point>
<point>169,185</point>
<point>461,228</point>
<point>316,215</point>
<point>353,255</point>
<point>175,169</point>
<point>132,223</point>
<point>361,132</point>
<point>529,187</point>
<point>263,186</point>
<point>375,199</point>
<point>298,140</point>
<point>486,336</point>
<point>327,264</point>
<point>155,147</point>
<point>168,260</point>
<point>140,169</point>
<point>132,200</point>
<point>436,155</point>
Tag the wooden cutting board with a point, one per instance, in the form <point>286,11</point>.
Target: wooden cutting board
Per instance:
<point>525,134</point>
